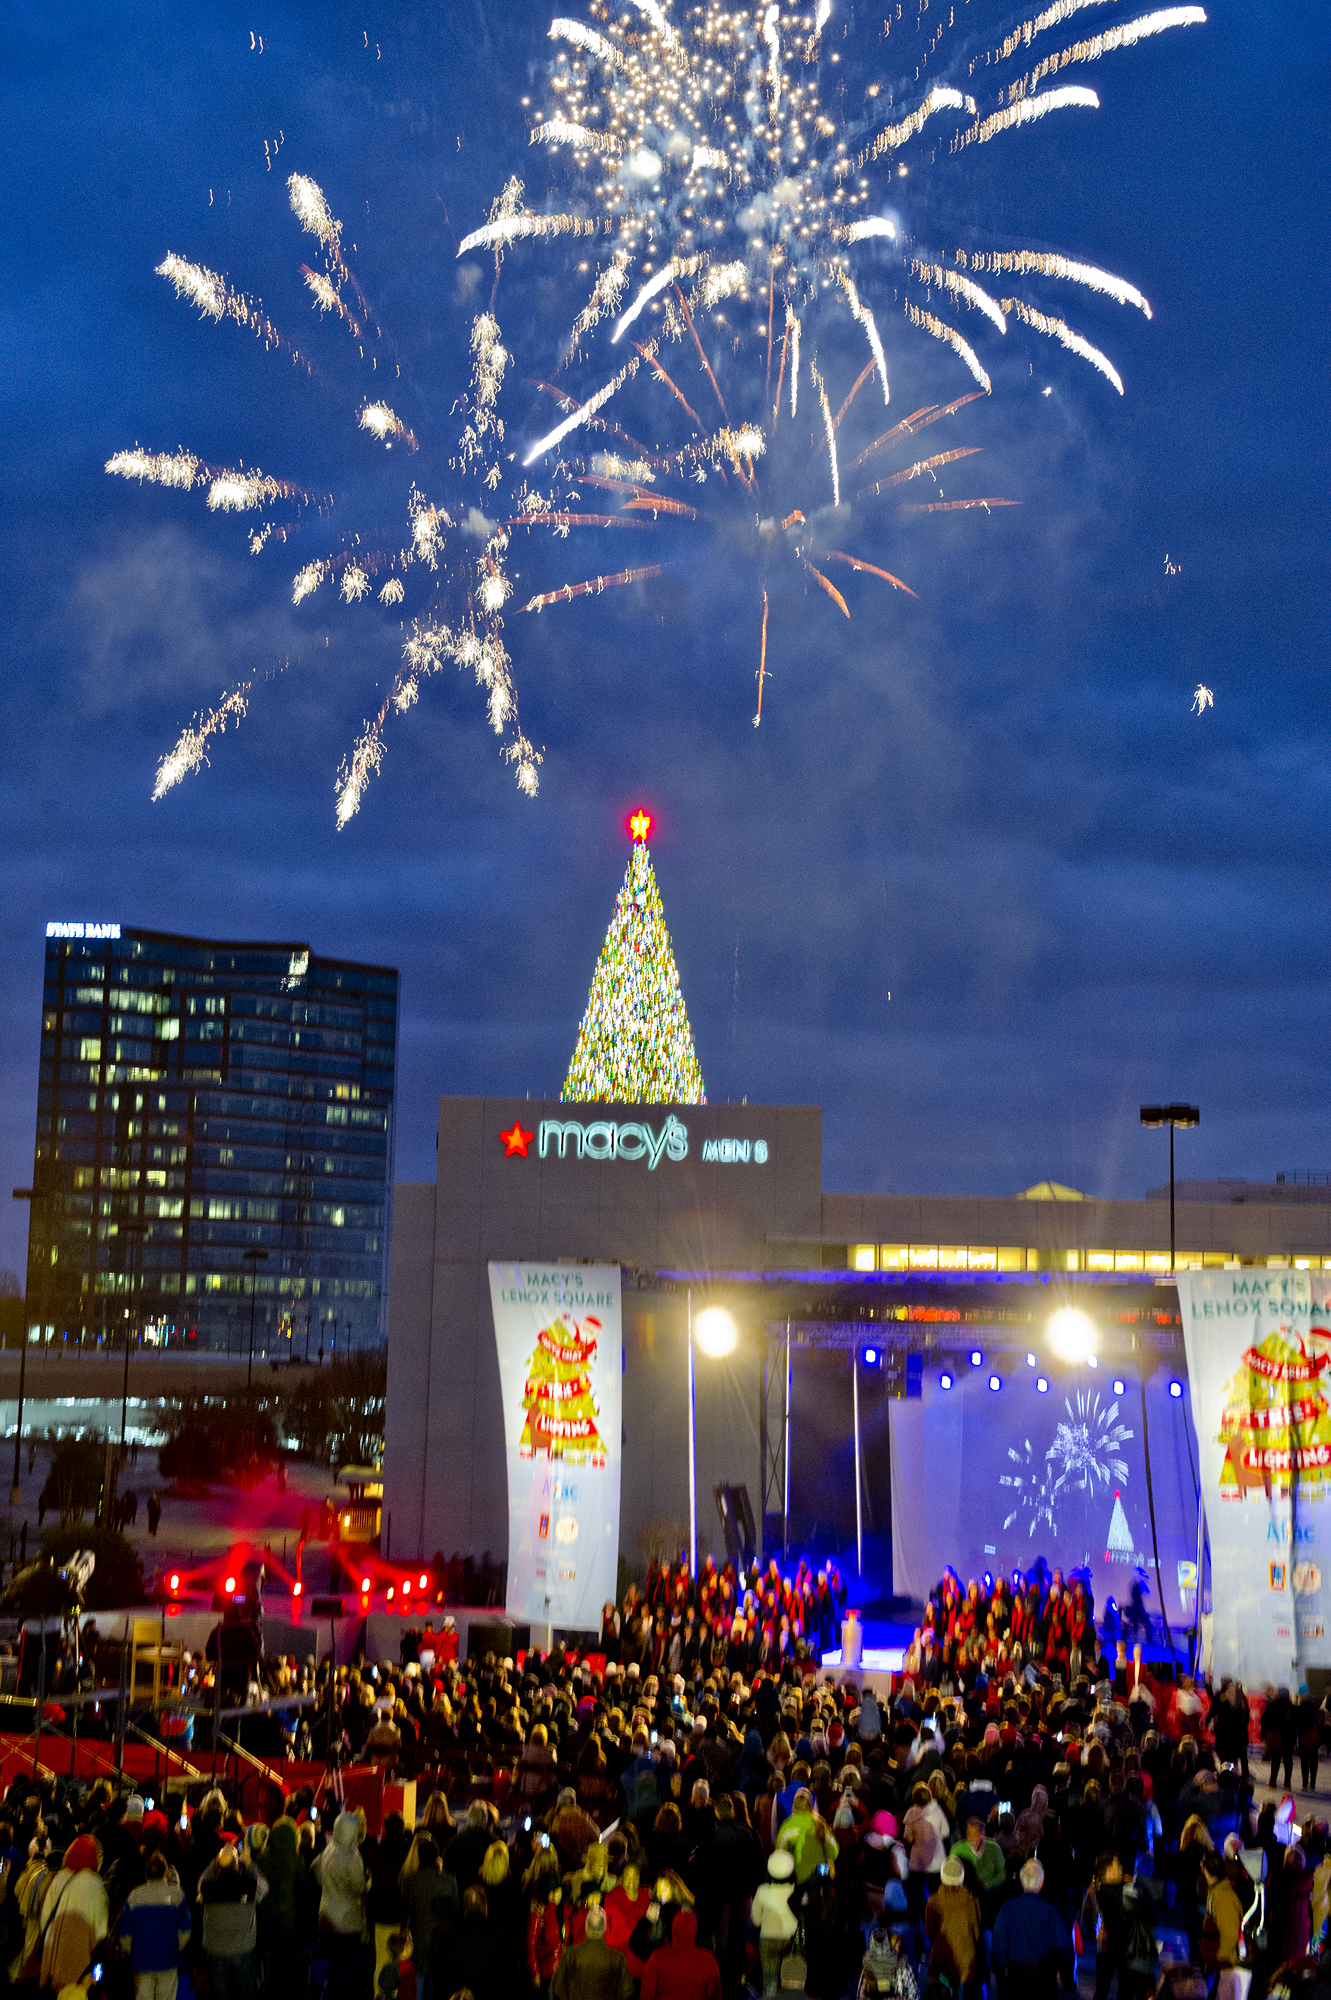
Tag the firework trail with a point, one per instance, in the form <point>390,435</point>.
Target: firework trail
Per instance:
<point>1202,699</point>
<point>1058,330</point>
<point>1031,1488</point>
<point>710,169</point>
<point>191,752</point>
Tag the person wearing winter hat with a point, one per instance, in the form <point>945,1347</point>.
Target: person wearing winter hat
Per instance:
<point>773,1917</point>
<point>952,1924</point>
<point>682,1969</point>
<point>75,1915</point>
<point>340,1873</point>
<point>230,1890</point>
<point>887,1972</point>
<point>155,1928</point>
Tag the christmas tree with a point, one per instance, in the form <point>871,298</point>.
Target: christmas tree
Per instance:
<point>1120,1534</point>
<point>557,1396</point>
<point>635,1045</point>
<point>1276,1423</point>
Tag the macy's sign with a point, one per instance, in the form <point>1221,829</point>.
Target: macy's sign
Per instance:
<point>603,1141</point>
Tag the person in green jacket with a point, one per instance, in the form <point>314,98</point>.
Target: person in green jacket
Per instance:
<point>807,1837</point>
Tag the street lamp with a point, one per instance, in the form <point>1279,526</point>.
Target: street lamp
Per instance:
<point>15,1493</point>
<point>717,1336</point>
<point>136,1232</point>
<point>1186,1115</point>
<point>253,1258</point>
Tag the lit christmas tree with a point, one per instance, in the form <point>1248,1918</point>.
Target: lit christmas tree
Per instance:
<point>635,1045</point>
<point>557,1396</point>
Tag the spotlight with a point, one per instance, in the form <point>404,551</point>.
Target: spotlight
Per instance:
<point>297,1590</point>
<point>994,1382</point>
<point>1092,1361</point>
<point>714,1331</point>
<point>1072,1334</point>
<point>365,1586</point>
<point>989,1581</point>
<point>424,1580</point>
<point>229,1585</point>
<point>871,1357</point>
<point>1176,1390</point>
<point>406,1586</point>
<point>1120,1387</point>
<point>977,1359</point>
<point>945,1381</point>
<point>1030,1361</point>
<point>1041,1385</point>
<point>175,1581</point>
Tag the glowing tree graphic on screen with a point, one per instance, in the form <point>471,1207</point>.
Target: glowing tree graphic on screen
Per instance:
<point>1275,1423</point>
<point>1087,1447</point>
<point>1119,1542</point>
<point>557,1396</point>
<point>635,1045</point>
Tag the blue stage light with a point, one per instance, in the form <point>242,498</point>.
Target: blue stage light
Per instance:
<point>1030,1361</point>
<point>1092,1361</point>
<point>1041,1385</point>
<point>1176,1390</point>
<point>994,1382</point>
<point>871,1357</point>
<point>945,1381</point>
<point>1120,1387</point>
<point>977,1359</point>
<point>989,1581</point>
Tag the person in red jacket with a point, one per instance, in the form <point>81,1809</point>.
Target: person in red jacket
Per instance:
<point>680,1970</point>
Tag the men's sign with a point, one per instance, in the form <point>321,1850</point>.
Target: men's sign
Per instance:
<point>558,1334</point>
<point>1259,1355</point>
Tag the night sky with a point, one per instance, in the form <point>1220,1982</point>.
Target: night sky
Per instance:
<point>993,804</point>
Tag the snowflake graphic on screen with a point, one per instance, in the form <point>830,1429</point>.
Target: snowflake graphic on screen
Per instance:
<point>1087,1447</point>
<point>1032,1489</point>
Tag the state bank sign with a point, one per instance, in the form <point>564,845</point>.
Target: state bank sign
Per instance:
<point>567,1138</point>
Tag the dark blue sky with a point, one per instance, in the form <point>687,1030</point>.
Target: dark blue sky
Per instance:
<point>993,803</point>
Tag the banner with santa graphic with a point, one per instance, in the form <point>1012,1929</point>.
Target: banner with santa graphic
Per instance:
<point>1259,1367</point>
<point>557,1329</point>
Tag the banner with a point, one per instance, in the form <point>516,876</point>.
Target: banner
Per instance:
<point>1259,1367</point>
<point>557,1329</point>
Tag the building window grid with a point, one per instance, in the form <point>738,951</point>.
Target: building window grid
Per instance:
<point>328,1236</point>
<point>989,1257</point>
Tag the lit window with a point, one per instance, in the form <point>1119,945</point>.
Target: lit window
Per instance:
<point>893,1256</point>
<point>1073,1260</point>
<point>863,1257</point>
<point>1157,1260</point>
<point>951,1256</point>
<point>984,1258</point>
<point>1128,1260</point>
<point>1011,1260</point>
<point>1099,1260</point>
<point>924,1256</point>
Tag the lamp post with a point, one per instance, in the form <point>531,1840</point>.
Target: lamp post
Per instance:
<point>135,1231</point>
<point>15,1492</point>
<point>253,1258</point>
<point>1186,1115</point>
<point>716,1337</point>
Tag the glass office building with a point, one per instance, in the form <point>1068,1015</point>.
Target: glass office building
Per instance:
<point>199,1101</point>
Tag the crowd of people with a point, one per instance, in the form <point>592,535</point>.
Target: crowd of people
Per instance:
<point>670,1819</point>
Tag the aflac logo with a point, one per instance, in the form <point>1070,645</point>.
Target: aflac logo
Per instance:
<point>603,1141</point>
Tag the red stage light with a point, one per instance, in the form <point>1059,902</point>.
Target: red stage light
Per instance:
<point>229,1585</point>
<point>175,1581</point>
<point>424,1581</point>
<point>406,1586</point>
<point>297,1589</point>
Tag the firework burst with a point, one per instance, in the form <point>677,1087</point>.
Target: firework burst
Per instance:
<point>730,196</point>
<point>1087,1448</point>
<point>1030,1487</point>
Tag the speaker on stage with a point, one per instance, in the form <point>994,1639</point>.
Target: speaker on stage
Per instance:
<point>497,1636</point>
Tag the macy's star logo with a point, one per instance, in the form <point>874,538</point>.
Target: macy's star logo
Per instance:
<point>516,1141</point>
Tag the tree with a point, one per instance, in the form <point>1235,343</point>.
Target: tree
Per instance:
<point>74,1481</point>
<point>231,1440</point>
<point>336,1414</point>
<point>557,1396</point>
<point>635,1045</point>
